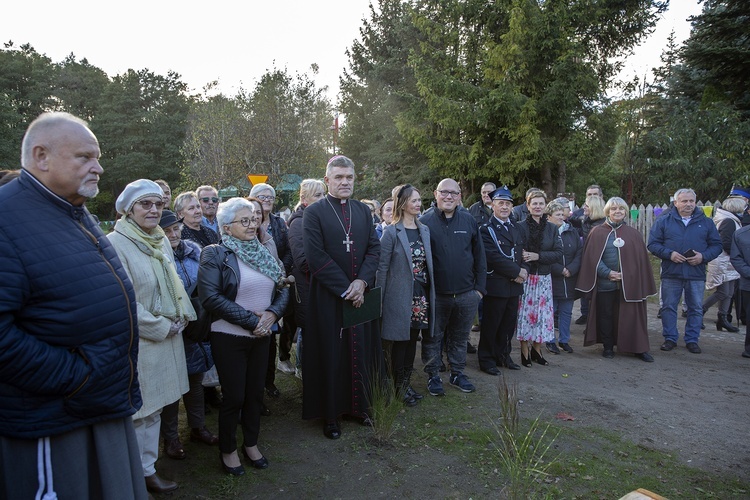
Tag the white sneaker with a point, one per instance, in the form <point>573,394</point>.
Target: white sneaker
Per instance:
<point>286,366</point>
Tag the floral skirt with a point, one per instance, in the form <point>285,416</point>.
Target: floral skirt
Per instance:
<point>536,317</point>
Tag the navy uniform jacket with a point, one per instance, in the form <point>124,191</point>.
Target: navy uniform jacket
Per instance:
<point>505,261</point>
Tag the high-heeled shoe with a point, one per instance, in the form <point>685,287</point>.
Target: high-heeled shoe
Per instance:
<point>261,463</point>
<point>537,356</point>
<point>525,361</point>
<point>234,471</point>
<point>723,324</point>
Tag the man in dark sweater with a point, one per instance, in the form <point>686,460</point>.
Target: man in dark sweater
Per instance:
<point>459,281</point>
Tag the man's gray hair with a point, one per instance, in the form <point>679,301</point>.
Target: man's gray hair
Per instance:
<point>684,191</point>
<point>338,161</point>
<point>494,186</point>
<point>183,199</point>
<point>228,210</point>
<point>38,127</point>
<point>205,187</point>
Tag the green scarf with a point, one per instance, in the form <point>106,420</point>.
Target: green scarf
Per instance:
<point>173,295</point>
<point>255,256</point>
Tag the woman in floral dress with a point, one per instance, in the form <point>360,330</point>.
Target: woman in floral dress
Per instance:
<point>541,249</point>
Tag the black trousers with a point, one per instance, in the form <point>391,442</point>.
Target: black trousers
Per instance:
<point>746,307</point>
<point>402,359</point>
<point>607,312</point>
<point>241,364</point>
<point>499,317</point>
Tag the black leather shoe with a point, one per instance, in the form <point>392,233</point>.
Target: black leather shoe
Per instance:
<point>332,430</point>
<point>273,391</point>
<point>234,471</point>
<point>668,345</point>
<point>155,484</point>
<point>410,401</point>
<point>608,353</point>
<point>510,364</point>
<point>411,392</point>
<point>261,463</point>
<point>470,349</point>
<point>746,354</point>
<point>492,370</point>
<point>203,435</point>
<point>693,348</point>
<point>582,320</point>
<point>644,356</point>
<point>173,449</point>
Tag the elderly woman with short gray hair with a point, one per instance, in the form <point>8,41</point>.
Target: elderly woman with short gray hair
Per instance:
<point>188,208</point>
<point>241,284</point>
<point>616,273</point>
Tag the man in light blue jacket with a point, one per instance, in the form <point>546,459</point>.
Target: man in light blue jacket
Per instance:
<point>685,240</point>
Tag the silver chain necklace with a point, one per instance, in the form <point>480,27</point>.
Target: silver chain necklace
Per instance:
<point>348,242</point>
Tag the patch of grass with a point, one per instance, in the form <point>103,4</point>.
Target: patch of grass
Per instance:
<point>386,406</point>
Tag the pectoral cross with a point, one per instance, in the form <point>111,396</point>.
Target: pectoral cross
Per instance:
<point>348,243</point>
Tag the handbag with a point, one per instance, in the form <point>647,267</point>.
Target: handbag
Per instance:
<point>197,330</point>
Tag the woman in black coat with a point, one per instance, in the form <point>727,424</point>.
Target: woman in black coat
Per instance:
<point>241,284</point>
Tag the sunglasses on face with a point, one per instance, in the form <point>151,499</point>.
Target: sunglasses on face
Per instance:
<point>213,199</point>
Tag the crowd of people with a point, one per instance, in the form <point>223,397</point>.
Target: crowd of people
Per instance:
<point>102,335</point>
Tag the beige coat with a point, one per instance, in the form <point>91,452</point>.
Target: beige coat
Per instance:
<point>162,371</point>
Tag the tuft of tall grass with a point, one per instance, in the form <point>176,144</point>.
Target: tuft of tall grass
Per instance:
<point>523,454</point>
<point>385,407</point>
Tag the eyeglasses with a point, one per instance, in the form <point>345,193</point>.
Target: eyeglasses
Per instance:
<point>213,199</point>
<point>245,222</point>
<point>147,204</point>
<point>447,194</point>
<point>265,197</point>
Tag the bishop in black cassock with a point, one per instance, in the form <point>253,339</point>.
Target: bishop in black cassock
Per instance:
<point>339,365</point>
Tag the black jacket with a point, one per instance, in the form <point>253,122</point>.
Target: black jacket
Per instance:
<point>457,252</point>
<point>218,280</point>
<point>501,268</point>
<point>280,234</point>
<point>562,287</point>
<point>550,251</point>
<point>300,270</point>
<point>481,213</point>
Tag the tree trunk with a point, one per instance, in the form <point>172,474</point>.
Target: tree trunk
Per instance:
<point>562,176</point>
<point>547,186</point>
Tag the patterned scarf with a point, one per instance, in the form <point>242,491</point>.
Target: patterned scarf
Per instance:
<point>173,295</point>
<point>255,256</point>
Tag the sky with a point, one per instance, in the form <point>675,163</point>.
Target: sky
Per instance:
<point>231,42</point>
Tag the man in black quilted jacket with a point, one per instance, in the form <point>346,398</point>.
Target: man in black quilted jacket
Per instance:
<point>68,331</point>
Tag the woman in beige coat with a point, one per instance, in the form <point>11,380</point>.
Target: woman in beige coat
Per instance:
<point>721,275</point>
<point>164,310</point>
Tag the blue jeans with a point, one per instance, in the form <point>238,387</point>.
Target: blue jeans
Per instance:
<point>671,290</point>
<point>564,313</point>
<point>454,315</point>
